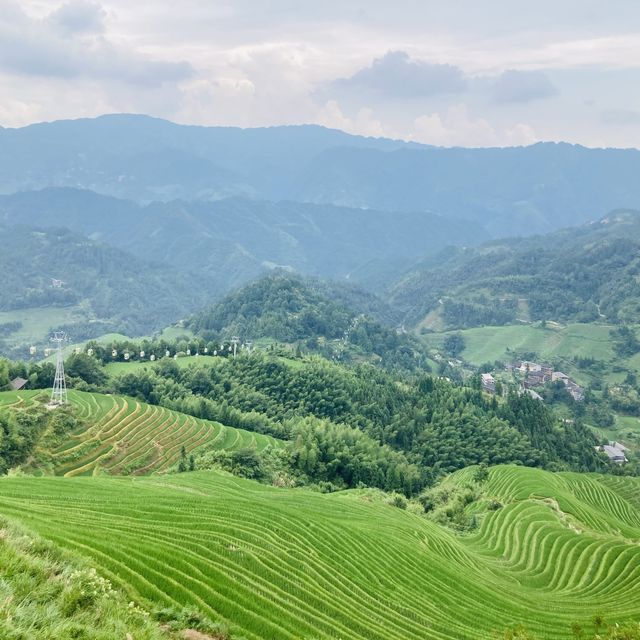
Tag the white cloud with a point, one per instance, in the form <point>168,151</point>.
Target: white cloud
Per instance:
<point>78,16</point>
<point>397,75</point>
<point>456,127</point>
<point>363,124</point>
<point>523,86</point>
<point>239,62</point>
<point>68,43</point>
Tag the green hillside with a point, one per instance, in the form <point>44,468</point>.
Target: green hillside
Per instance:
<point>339,322</point>
<point>49,594</point>
<point>100,290</point>
<point>583,274</point>
<point>283,564</point>
<point>554,341</point>
<point>120,435</point>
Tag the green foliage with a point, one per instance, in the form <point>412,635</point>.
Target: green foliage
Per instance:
<point>433,423</point>
<point>626,342</point>
<point>109,288</point>
<point>281,307</point>
<point>24,431</point>
<point>454,344</point>
<point>85,367</point>
<point>292,310</point>
<point>478,312</point>
<point>328,452</point>
<point>4,374</point>
<point>581,275</point>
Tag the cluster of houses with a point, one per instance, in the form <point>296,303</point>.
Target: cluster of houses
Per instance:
<point>536,375</point>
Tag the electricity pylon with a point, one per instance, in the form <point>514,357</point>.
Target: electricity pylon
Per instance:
<point>59,391</point>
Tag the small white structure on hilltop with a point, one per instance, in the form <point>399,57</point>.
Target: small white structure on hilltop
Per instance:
<point>59,391</point>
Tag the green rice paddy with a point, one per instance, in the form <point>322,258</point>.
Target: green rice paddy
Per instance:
<point>487,344</point>
<point>285,564</point>
<point>125,436</point>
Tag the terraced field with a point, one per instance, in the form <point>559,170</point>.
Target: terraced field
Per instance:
<point>487,344</point>
<point>127,436</point>
<point>285,564</point>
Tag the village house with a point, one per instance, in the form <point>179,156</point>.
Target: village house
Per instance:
<point>536,375</point>
<point>531,367</point>
<point>615,451</point>
<point>18,383</point>
<point>488,383</point>
<point>575,390</point>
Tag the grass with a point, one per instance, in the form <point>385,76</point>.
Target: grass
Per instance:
<point>121,367</point>
<point>124,436</point>
<point>46,593</point>
<point>37,323</point>
<point>487,344</point>
<point>289,564</point>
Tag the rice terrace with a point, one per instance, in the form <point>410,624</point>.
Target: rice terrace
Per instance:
<point>319,320</point>
<point>287,564</point>
<point>127,436</point>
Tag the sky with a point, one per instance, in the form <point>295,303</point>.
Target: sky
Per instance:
<point>442,72</point>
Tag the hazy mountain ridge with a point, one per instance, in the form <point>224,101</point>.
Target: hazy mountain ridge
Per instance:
<point>115,290</point>
<point>234,240</point>
<point>509,191</point>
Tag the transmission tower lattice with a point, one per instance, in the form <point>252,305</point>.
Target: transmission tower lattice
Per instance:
<point>59,391</point>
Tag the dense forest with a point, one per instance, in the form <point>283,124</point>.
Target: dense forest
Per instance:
<point>351,425</point>
<point>582,274</point>
<point>113,290</point>
<point>286,308</point>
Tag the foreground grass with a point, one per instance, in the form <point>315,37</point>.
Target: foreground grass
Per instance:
<point>285,564</point>
<point>45,594</point>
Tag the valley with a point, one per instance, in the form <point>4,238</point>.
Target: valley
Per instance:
<point>320,386</point>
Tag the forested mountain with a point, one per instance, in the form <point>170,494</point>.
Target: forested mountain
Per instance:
<point>520,190</point>
<point>333,319</point>
<point>324,409</point>
<point>236,239</point>
<point>145,158</point>
<point>579,274</point>
<point>111,289</point>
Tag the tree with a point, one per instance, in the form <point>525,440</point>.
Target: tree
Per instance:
<point>85,367</point>
<point>454,344</point>
<point>4,373</point>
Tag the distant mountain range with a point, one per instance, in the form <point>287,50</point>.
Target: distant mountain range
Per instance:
<point>184,214</point>
<point>585,273</point>
<point>233,240</point>
<point>513,191</point>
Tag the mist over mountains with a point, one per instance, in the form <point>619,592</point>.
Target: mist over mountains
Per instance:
<point>236,239</point>
<point>509,191</point>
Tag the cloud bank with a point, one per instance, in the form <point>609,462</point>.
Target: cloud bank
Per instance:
<point>508,73</point>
